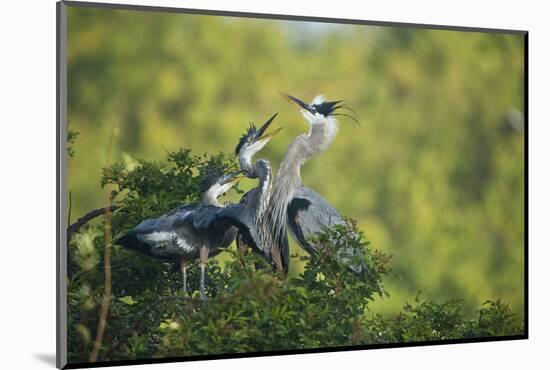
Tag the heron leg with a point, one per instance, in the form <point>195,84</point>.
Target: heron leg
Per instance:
<point>203,257</point>
<point>276,257</point>
<point>241,245</point>
<point>183,267</point>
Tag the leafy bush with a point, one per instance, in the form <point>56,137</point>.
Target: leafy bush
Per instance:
<point>250,308</point>
<point>429,321</point>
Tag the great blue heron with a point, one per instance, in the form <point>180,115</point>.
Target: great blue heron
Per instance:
<point>304,211</point>
<point>248,214</point>
<point>189,231</point>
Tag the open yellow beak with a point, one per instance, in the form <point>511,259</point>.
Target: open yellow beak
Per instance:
<point>236,179</point>
<point>270,135</point>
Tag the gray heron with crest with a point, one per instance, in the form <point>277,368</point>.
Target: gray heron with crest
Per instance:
<point>188,232</point>
<point>299,208</point>
<point>248,214</point>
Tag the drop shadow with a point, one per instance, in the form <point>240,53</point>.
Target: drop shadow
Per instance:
<point>47,358</point>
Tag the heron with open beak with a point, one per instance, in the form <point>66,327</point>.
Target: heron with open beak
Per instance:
<point>190,231</point>
<point>248,214</point>
<point>299,208</point>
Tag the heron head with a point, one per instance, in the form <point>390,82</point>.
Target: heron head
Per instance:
<point>319,110</point>
<point>215,182</point>
<point>254,140</point>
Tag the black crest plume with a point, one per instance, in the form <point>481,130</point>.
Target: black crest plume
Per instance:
<point>253,133</point>
<point>327,108</point>
<point>210,177</point>
<point>247,136</point>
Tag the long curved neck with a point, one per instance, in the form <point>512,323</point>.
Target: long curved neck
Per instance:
<point>288,178</point>
<point>210,199</point>
<point>302,148</point>
<point>245,163</point>
<point>262,169</point>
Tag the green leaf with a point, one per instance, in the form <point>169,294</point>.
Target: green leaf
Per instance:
<point>128,300</point>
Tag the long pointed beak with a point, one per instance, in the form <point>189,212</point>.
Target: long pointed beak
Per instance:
<point>233,178</point>
<point>266,125</point>
<point>297,101</point>
<point>268,136</point>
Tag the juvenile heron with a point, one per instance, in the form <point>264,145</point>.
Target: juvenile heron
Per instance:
<point>292,204</point>
<point>189,231</point>
<point>248,214</point>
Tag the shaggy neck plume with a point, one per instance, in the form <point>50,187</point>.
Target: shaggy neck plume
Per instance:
<point>288,180</point>
<point>245,163</point>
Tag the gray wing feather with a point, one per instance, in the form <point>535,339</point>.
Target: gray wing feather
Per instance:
<point>166,221</point>
<point>241,217</point>
<point>148,226</point>
<point>202,218</point>
<point>165,236</point>
<point>309,214</point>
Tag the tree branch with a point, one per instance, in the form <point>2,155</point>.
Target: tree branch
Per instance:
<point>88,217</point>
<point>107,258</point>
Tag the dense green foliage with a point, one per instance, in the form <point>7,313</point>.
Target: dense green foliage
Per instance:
<point>250,308</point>
<point>71,138</point>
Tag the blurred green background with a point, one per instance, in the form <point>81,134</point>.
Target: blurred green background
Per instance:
<point>433,174</point>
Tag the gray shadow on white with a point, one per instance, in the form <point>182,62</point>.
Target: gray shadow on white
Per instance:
<point>47,358</point>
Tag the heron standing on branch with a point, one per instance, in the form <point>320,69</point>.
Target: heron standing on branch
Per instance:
<point>248,214</point>
<point>304,211</point>
<point>189,231</point>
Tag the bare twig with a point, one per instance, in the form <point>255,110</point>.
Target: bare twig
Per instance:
<point>71,230</point>
<point>107,259</point>
<point>70,208</point>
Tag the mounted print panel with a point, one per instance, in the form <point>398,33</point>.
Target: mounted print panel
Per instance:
<point>235,185</point>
